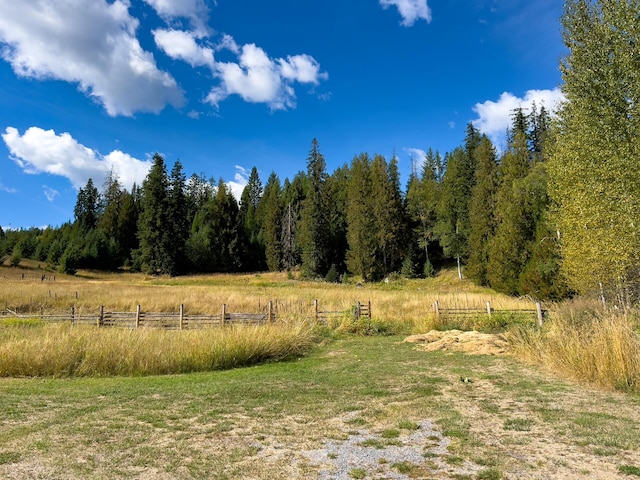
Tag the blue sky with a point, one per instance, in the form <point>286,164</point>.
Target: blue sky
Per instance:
<point>91,86</point>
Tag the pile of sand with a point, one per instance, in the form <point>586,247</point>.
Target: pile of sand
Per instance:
<point>474,343</point>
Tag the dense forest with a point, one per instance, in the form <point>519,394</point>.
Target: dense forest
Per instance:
<point>553,214</point>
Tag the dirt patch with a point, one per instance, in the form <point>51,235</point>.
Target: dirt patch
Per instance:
<point>474,343</point>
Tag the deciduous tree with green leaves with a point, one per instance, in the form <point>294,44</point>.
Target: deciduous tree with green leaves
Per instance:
<point>595,179</point>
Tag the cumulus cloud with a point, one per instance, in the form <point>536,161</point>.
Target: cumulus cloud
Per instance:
<point>410,10</point>
<point>259,79</point>
<point>43,151</point>
<point>92,44</point>
<point>181,45</point>
<point>494,118</point>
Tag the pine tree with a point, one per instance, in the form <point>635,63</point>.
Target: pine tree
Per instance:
<point>314,234</point>
<point>271,214</point>
<point>249,216</point>
<point>86,211</point>
<point>507,250</point>
<point>361,256</point>
<point>177,213</point>
<point>293,196</point>
<point>482,210</point>
<point>154,220</point>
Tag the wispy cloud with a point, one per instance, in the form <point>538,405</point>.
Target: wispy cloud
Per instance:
<point>7,189</point>
<point>410,10</point>
<point>92,44</point>
<point>50,193</point>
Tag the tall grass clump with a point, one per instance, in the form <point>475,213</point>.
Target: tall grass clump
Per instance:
<point>587,342</point>
<point>62,350</point>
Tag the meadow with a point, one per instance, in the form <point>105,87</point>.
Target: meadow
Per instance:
<point>293,400</point>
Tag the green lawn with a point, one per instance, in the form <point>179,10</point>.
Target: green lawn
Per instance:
<point>507,421</point>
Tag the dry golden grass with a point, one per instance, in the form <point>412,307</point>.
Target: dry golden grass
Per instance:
<point>404,301</point>
<point>584,341</point>
<point>60,350</point>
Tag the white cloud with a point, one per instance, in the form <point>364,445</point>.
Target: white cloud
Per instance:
<point>260,79</point>
<point>50,193</point>
<point>194,10</point>
<point>7,189</point>
<point>240,180</point>
<point>410,10</point>
<point>302,68</point>
<point>495,117</point>
<point>92,44</point>
<point>183,46</point>
<point>42,151</point>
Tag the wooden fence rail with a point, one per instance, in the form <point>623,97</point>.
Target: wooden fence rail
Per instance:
<point>489,310</point>
<point>175,320</point>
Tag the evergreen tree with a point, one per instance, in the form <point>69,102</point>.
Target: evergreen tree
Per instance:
<point>86,211</point>
<point>337,193</point>
<point>361,256</point>
<point>507,251</point>
<point>271,220</point>
<point>293,196</point>
<point>154,221</point>
<point>314,234</point>
<point>421,205</point>
<point>453,207</point>
<point>595,178</point>
<point>249,216</point>
<point>177,213</point>
<point>482,210</point>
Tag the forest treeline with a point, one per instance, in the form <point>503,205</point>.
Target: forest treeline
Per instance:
<point>554,213</point>
<point>486,212</point>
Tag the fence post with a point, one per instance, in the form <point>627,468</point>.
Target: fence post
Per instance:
<point>270,312</point>
<point>358,310</point>
<point>138,309</point>
<point>41,314</point>
<point>436,306</point>
<point>539,313</point>
<point>489,308</point>
<point>101,317</point>
<point>181,316</point>
<point>370,310</point>
<point>224,313</point>
<point>73,315</point>
<point>315,307</point>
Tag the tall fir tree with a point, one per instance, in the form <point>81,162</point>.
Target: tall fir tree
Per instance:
<point>314,232</point>
<point>508,248</point>
<point>361,237</point>
<point>154,220</point>
<point>482,210</point>
<point>271,220</point>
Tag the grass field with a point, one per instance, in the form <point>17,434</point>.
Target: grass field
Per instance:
<point>348,401</point>
<point>344,406</point>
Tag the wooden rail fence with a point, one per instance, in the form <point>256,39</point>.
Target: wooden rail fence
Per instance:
<point>360,310</point>
<point>180,320</point>
<point>489,310</point>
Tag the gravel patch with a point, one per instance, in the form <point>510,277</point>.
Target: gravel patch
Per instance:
<point>365,454</point>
